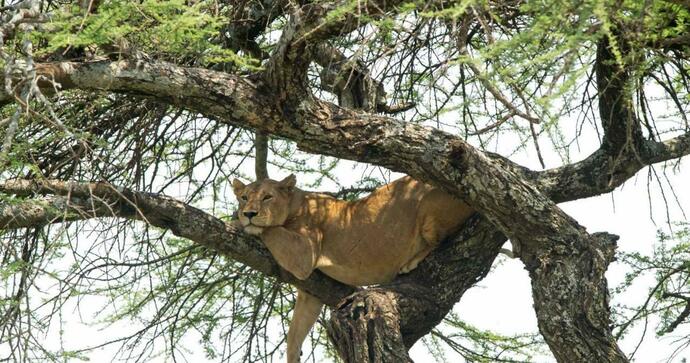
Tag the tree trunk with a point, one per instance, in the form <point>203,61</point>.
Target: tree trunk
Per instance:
<point>365,327</point>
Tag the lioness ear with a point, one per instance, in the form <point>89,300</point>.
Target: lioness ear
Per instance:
<point>288,182</point>
<point>237,186</point>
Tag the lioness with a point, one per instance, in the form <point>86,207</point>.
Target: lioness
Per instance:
<point>363,242</point>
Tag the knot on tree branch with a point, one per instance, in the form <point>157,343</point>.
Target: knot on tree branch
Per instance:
<point>604,244</point>
<point>351,81</point>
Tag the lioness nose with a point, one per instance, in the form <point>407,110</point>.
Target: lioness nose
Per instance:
<point>250,215</point>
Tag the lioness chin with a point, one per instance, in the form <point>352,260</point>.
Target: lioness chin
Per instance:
<point>363,242</point>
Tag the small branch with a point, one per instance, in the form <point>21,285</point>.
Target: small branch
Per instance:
<point>494,125</point>
<point>673,42</point>
<point>682,316</point>
<point>535,139</point>
<point>498,95</point>
<point>684,3</point>
<point>508,253</point>
<point>461,42</point>
<point>260,155</point>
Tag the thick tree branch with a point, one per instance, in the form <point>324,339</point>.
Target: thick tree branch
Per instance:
<point>601,173</point>
<point>674,148</point>
<point>324,128</point>
<point>38,212</point>
<point>233,99</point>
<point>623,152</point>
<point>79,201</point>
<point>622,131</point>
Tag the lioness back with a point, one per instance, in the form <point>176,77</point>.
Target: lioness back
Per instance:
<point>371,240</point>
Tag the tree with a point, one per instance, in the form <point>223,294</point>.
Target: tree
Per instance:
<point>109,106</point>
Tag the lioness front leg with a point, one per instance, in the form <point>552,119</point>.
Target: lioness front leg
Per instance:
<point>307,309</point>
<point>295,252</point>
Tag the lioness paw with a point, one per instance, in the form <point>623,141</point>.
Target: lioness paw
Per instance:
<point>409,267</point>
<point>237,224</point>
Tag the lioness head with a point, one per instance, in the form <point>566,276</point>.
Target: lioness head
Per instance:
<point>263,203</point>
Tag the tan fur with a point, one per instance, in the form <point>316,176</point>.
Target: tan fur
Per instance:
<point>364,242</point>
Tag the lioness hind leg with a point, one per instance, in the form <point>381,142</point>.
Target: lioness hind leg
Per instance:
<point>430,236</point>
<point>414,262</point>
<point>307,309</point>
<point>430,231</point>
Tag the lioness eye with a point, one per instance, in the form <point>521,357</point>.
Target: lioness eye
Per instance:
<point>268,197</point>
<point>244,198</point>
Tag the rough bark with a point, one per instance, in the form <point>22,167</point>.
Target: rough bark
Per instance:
<point>568,283</point>
<point>571,300</point>
<point>365,327</point>
<point>622,131</point>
